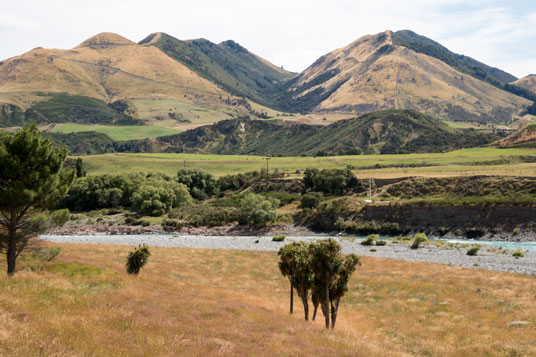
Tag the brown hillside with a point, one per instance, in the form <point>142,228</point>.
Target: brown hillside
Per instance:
<point>528,82</point>
<point>107,67</point>
<point>525,136</point>
<point>372,74</point>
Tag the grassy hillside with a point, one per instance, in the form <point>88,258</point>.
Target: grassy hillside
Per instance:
<point>63,108</point>
<point>461,63</point>
<point>383,132</point>
<point>528,82</point>
<point>524,137</point>
<point>81,85</point>
<point>228,64</point>
<point>422,44</point>
<point>117,132</point>
<point>375,73</point>
<point>211,302</point>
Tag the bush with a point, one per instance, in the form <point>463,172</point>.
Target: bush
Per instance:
<point>279,238</point>
<point>311,200</point>
<point>170,224</point>
<point>381,242</point>
<point>419,238</point>
<point>370,239</point>
<point>518,254</point>
<point>46,254</point>
<point>137,259</point>
<point>473,251</point>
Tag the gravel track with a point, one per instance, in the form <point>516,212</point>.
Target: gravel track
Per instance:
<point>490,259</point>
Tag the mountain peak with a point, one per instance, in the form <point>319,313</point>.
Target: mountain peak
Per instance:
<point>106,39</point>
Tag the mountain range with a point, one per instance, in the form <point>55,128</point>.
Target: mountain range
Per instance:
<point>109,79</point>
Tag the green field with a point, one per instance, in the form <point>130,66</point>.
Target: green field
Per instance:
<point>118,132</point>
<point>479,161</point>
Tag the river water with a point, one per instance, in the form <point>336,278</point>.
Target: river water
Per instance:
<point>171,239</point>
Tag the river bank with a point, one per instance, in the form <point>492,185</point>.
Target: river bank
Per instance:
<point>489,258</point>
<point>75,228</point>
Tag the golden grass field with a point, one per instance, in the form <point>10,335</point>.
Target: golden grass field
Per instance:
<point>214,302</point>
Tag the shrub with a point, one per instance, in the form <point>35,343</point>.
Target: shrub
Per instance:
<point>370,239</point>
<point>381,242</point>
<point>518,254</point>
<point>170,224</point>
<point>311,200</point>
<point>372,249</point>
<point>46,254</point>
<point>419,238</point>
<point>516,231</point>
<point>137,259</point>
<point>473,251</point>
<point>279,238</point>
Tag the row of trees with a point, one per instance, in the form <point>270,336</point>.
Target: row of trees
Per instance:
<point>147,194</point>
<point>320,270</point>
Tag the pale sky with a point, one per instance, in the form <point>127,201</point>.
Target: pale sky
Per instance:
<point>292,33</point>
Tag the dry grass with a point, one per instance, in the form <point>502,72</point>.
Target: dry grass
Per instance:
<point>205,302</point>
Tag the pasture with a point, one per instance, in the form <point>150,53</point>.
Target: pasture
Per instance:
<point>478,161</point>
<point>206,302</point>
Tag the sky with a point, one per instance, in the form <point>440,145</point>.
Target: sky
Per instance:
<point>291,33</point>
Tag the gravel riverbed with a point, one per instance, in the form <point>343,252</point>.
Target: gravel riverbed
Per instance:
<point>487,258</point>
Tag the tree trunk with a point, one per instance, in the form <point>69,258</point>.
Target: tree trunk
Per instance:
<point>304,297</point>
<point>334,311</point>
<point>315,305</point>
<point>291,298</point>
<point>12,247</point>
<point>326,303</point>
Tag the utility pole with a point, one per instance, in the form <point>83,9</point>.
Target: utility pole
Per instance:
<point>267,158</point>
<point>184,163</point>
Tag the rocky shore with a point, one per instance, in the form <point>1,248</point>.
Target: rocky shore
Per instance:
<point>488,258</point>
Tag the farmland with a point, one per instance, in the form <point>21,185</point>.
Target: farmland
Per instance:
<point>204,302</point>
<point>478,161</point>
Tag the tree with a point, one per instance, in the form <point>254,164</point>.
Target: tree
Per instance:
<point>339,287</point>
<point>200,183</point>
<point>80,169</point>
<point>295,265</point>
<point>324,265</point>
<point>258,210</point>
<point>332,273</point>
<point>32,179</point>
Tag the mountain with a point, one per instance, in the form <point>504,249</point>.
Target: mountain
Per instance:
<point>464,64</point>
<point>384,71</point>
<point>102,70</point>
<point>528,82</point>
<point>227,64</point>
<point>109,79</point>
<point>385,132</point>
